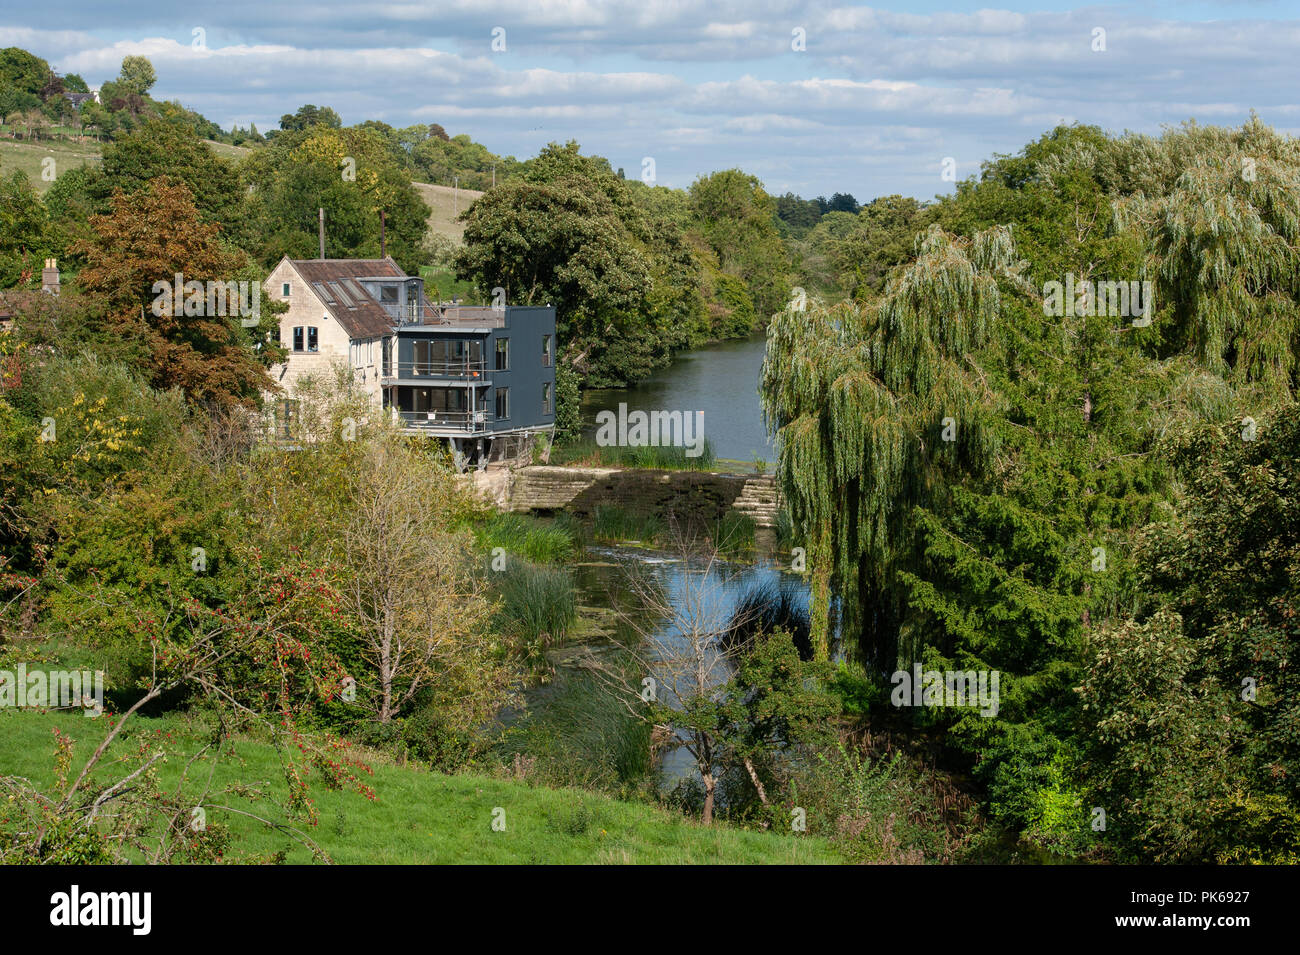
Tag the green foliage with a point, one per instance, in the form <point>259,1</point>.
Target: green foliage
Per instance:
<point>26,236</point>
<point>159,148</point>
<point>568,404</point>
<point>733,534</point>
<point>584,737</point>
<point>308,116</point>
<point>884,809</point>
<point>1195,701</point>
<point>970,474</point>
<point>666,457</point>
<point>23,71</point>
<point>353,175</point>
<point>528,538</point>
<point>538,607</point>
<point>738,221</point>
<point>613,524</point>
<point>448,160</point>
<point>137,75</point>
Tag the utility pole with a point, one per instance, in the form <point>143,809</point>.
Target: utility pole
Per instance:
<point>383,238</point>
<point>494,175</point>
<point>455,194</point>
<point>322,232</point>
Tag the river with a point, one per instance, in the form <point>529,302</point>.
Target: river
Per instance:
<point>721,380</point>
<point>704,597</point>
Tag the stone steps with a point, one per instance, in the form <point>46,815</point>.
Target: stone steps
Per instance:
<point>760,500</point>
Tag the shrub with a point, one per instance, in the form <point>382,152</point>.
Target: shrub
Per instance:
<point>538,606</point>
<point>613,523</point>
<point>763,610</point>
<point>733,535</point>
<point>531,539</point>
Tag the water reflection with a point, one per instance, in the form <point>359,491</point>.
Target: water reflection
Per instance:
<point>702,596</point>
<point>720,380</point>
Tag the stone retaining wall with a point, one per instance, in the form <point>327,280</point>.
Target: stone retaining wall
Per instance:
<point>686,496</point>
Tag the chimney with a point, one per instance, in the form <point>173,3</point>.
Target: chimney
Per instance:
<point>50,277</point>
<point>322,233</point>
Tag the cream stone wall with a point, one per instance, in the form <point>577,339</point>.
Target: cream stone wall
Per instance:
<point>306,309</point>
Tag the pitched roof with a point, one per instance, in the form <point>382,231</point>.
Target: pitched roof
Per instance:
<point>348,302</point>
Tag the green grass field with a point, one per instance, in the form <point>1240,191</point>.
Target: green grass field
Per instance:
<point>29,157</point>
<point>68,155</point>
<point>420,817</point>
<point>226,151</point>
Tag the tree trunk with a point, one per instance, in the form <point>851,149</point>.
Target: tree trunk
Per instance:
<point>386,671</point>
<point>709,785</point>
<point>758,783</point>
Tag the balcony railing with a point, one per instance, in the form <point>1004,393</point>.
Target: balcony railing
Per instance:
<point>470,422</point>
<point>453,368</point>
<point>444,315</point>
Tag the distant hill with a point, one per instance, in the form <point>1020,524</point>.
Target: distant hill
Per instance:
<point>67,155</point>
<point>28,157</point>
<point>445,203</point>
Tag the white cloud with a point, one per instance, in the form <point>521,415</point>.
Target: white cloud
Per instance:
<point>877,98</point>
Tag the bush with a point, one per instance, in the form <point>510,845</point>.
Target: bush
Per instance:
<point>538,606</point>
<point>611,523</point>
<point>763,610</point>
<point>587,452</point>
<point>528,538</point>
<point>583,737</point>
<point>886,810</point>
<point>733,535</point>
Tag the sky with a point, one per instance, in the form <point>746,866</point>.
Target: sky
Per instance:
<point>811,97</point>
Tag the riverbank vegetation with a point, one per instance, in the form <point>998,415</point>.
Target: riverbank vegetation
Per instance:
<point>587,453</point>
<point>985,481</point>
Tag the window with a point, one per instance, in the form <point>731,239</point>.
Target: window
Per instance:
<point>503,403</point>
<point>388,357</point>
<point>546,397</point>
<point>546,350</point>
<point>284,289</point>
<point>503,354</point>
<point>388,294</point>
<point>422,352</point>
<point>308,339</point>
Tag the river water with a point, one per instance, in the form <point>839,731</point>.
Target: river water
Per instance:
<point>720,380</point>
<point>704,596</point>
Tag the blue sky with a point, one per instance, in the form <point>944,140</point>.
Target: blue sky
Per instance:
<point>878,98</point>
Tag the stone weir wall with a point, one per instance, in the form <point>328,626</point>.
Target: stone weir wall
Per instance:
<point>685,495</point>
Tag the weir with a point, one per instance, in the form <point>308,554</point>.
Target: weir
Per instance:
<point>685,495</point>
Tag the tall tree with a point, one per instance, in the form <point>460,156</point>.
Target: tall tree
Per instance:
<point>738,221</point>
<point>150,238</point>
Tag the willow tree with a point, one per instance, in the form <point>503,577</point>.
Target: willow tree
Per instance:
<point>1004,547</point>
<point>874,408</point>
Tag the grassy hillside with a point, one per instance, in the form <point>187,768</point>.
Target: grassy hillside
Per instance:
<point>29,156</point>
<point>226,151</point>
<point>69,155</point>
<point>443,200</point>
<point>445,203</point>
<point>419,816</point>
